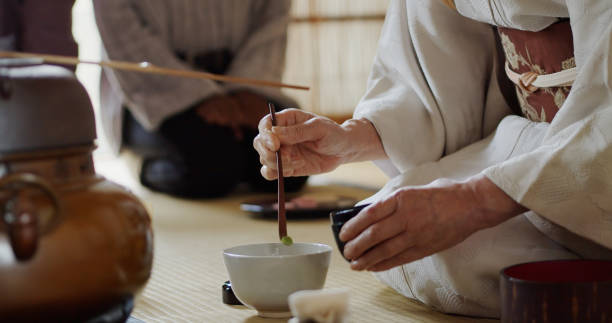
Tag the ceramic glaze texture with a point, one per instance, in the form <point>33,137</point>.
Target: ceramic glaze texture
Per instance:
<point>37,102</point>
<point>264,275</point>
<point>99,252</point>
<point>72,245</point>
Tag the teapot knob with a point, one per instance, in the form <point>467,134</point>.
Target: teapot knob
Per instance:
<point>23,233</point>
<point>20,216</point>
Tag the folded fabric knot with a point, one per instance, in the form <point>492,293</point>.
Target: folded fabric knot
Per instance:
<point>319,306</point>
<point>526,79</point>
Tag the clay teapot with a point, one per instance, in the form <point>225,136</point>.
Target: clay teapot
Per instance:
<point>73,246</point>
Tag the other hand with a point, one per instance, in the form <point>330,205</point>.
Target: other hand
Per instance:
<point>416,222</point>
<point>253,107</point>
<point>223,111</point>
<point>240,109</point>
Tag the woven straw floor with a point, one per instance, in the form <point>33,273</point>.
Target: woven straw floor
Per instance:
<point>190,236</point>
<point>188,270</point>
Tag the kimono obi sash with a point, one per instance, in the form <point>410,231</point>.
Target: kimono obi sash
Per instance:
<point>542,66</point>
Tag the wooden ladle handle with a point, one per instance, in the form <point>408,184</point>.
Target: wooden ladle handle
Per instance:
<point>20,215</point>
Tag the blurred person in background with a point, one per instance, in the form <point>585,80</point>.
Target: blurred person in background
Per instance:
<point>195,136</point>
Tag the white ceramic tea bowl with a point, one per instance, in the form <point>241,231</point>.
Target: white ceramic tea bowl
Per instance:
<point>264,275</point>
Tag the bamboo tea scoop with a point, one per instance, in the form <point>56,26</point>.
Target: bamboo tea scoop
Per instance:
<point>145,67</point>
<point>282,218</point>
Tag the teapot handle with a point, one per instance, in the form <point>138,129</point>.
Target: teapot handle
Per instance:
<point>20,215</point>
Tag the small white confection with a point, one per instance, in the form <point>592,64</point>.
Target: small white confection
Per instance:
<point>321,306</point>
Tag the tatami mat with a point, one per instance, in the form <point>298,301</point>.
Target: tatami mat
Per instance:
<point>188,269</point>
<point>190,236</point>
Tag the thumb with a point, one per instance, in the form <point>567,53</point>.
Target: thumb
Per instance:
<point>299,133</point>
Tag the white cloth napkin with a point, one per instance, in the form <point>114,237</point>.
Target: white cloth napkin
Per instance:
<point>321,306</point>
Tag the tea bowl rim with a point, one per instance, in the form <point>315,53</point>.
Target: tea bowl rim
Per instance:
<point>325,249</point>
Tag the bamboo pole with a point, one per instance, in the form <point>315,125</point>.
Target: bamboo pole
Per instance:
<point>145,67</point>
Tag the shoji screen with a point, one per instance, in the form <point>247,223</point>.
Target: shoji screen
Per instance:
<point>331,47</point>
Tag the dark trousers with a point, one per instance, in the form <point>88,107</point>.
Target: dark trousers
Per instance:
<point>204,160</point>
<point>191,158</point>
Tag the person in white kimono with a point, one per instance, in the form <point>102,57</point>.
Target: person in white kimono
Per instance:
<point>474,188</point>
<point>174,123</point>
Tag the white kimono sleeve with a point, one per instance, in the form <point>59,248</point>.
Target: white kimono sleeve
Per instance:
<point>433,88</point>
<point>568,179</point>
<point>150,98</point>
<point>562,171</point>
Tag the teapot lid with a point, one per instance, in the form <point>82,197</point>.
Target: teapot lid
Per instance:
<point>42,107</point>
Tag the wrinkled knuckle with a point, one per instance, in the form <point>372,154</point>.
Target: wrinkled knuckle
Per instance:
<point>407,257</point>
<point>403,222</point>
<point>347,231</point>
<point>395,196</point>
<point>315,122</point>
<point>400,195</point>
<point>286,154</point>
<point>349,248</point>
<point>387,249</point>
<point>377,231</point>
<point>371,233</point>
<point>318,146</point>
<point>298,132</point>
<point>257,142</point>
<point>370,213</point>
<point>264,123</point>
<point>265,172</point>
<point>270,162</point>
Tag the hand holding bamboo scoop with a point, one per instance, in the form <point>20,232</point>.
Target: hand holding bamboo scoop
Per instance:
<point>282,217</point>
